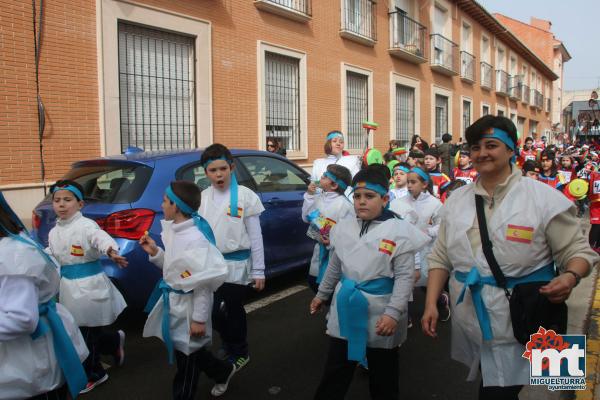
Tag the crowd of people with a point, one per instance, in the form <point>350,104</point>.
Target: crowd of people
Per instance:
<point>384,226</point>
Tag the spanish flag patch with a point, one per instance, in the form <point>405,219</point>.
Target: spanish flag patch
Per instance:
<point>387,246</point>
<point>76,251</point>
<point>240,212</point>
<point>521,234</point>
<point>185,274</point>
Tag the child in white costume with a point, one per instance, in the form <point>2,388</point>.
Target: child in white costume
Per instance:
<point>334,149</point>
<point>370,279</point>
<point>32,365</point>
<point>233,213</point>
<point>86,291</point>
<point>328,207</point>
<point>193,268</point>
<point>399,187</point>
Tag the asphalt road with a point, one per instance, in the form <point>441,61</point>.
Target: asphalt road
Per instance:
<point>287,350</point>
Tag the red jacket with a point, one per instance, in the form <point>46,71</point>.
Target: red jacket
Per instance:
<point>468,174</point>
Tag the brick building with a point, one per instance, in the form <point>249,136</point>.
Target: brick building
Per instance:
<point>163,74</point>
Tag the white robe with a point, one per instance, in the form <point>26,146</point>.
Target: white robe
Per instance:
<point>94,300</point>
<point>29,367</point>
<point>319,167</point>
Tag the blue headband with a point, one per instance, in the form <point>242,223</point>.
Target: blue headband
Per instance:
<point>375,187</point>
<point>233,187</point>
<point>200,222</point>
<point>335,180</point>
<point>334,134</point>
<point>71,189</point>
<point>501,136</point>
<point>210,160</point>
<point>402,168</point>
<point>421,173</point>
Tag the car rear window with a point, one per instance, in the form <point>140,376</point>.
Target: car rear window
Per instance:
<point>111,183</point>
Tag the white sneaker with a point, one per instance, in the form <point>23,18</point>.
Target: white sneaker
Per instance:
<point>221,388</point>
<point>92,384</point>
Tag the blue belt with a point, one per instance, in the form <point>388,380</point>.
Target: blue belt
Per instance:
<point>353,312</point>
<point>474,281</point>
<point>162,289</point>
<point>239,255</point>
<point>65,352</point>
<point>323,261</point>
<point>78,271</point>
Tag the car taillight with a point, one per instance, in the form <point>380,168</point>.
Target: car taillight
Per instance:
<point>36,221</point>
<point>128,224</point>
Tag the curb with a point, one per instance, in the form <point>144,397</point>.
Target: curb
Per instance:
<point>592,349</point>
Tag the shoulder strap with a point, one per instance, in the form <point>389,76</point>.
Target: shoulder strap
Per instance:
<point>487,246</point>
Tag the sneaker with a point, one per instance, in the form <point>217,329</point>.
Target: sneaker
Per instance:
<point>239,361</point>
<point>120,354</point>
<point>92,384</point>
<point>221,388</point>
<point>444,302</point>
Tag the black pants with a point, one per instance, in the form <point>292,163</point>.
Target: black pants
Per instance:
<point>230,321</point>
<point>383,373</point>
<point>56,394</point>
<point>189,369</point>
<point>312,283</point>
<point>499,392</point>
<point>594,237</point>
<point>98,342</point>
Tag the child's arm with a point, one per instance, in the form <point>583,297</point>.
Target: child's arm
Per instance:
<point>18,307</point>
<point>105,244</point>
<point>201,302</point>
<point>257,274</point>
<point>157,255</point>
<point>309,201</point>
<point>332,276</point>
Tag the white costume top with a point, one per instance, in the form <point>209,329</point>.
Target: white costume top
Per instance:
<point>371,256</point>
<point>193,265</point>
<point>500,358</point>
<point>93,300</point>
<point>29,367</point>
<point>320,165</point>
<point>427,209</point>
<point>331,205</point>
<point>398,193</point>
<point>231,233</point>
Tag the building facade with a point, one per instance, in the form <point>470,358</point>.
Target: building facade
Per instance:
<point>167,74</point>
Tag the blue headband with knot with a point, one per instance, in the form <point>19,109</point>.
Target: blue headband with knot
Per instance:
<point>421,173</point>
<point>334,134</point>
<point>502,136</point>
<point>200,222</point>
<point>335,179</point>
<point>71,189</point>
<point>375,187</point>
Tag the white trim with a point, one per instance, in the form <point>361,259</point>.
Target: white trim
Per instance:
<point>470,48</point>
<point>512,54</point>
<point>446,7</point>
<point>359,70</point>
<point>489,41</point>
<point>99,62</point>
<point>481,105</point>
<point>397,79</point>
<point>262,48</point>
<point>114,11</point>
<point>462,125</point>
<point>443,92</point>
<point>500,46</point>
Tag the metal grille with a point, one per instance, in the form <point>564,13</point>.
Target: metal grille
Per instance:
<point>441,117</point>
<point>359,18</point>
<point>156,89</point>
<point>485,110</point>
<point>466,114</point>
<point>405,114</point>
<point>282,96</point>
<point>357,107</point>
<point>302,6</point>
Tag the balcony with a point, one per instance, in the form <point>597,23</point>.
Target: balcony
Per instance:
<point>358,21</point>
<point>467,67</point>
<point>444,55</point>
<point>526,93</point>
<point>514,87</point>
<point>297,10</point>
<point>407,38</point>
<point>502,82</point>
<point>486,75</point>
<point>537,99</point>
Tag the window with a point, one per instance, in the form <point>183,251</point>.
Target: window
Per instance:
<point>521,125</point>
<point>357,108</point>
<point>485,110</point>
<point>405,114</point>
<point>358,18</point>
<point>466,115</point>
<point>273,175</point>
<point>485,49</point>
<point>500,113</point>
<point>282,99</point>
<point>441,117</point>
<point>532,127</point>
<point>156,88</point>
<point>465,36</point>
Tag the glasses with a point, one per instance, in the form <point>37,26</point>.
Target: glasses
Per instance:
<point>270,145</point>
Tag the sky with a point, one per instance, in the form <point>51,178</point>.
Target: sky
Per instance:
<point>574,22</point>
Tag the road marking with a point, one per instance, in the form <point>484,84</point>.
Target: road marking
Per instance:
<point>255,305</point>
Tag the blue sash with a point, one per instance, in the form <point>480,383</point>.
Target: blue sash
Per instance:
<point>323,261</point>
<point>474,281</point>
<point>162,289</point>
<point>239,255</point>
<point>65,352</point>
<point>353,312</point>
<point>83,270</point>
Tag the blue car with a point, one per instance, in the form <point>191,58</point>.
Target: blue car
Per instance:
<point>123,195</point>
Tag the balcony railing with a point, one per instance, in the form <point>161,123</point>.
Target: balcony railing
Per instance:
<point>407,38</point>
<point>514,87</point>
<point>358,21</point>
<point>299,10</point>
<point>486,75</point>
<point>502,82</point>
<point>467,66</point>
<point>526,93</point>
<point>444,55</point>
<point>537,99</point>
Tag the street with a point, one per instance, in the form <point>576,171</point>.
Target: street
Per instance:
<point>287,350</point>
